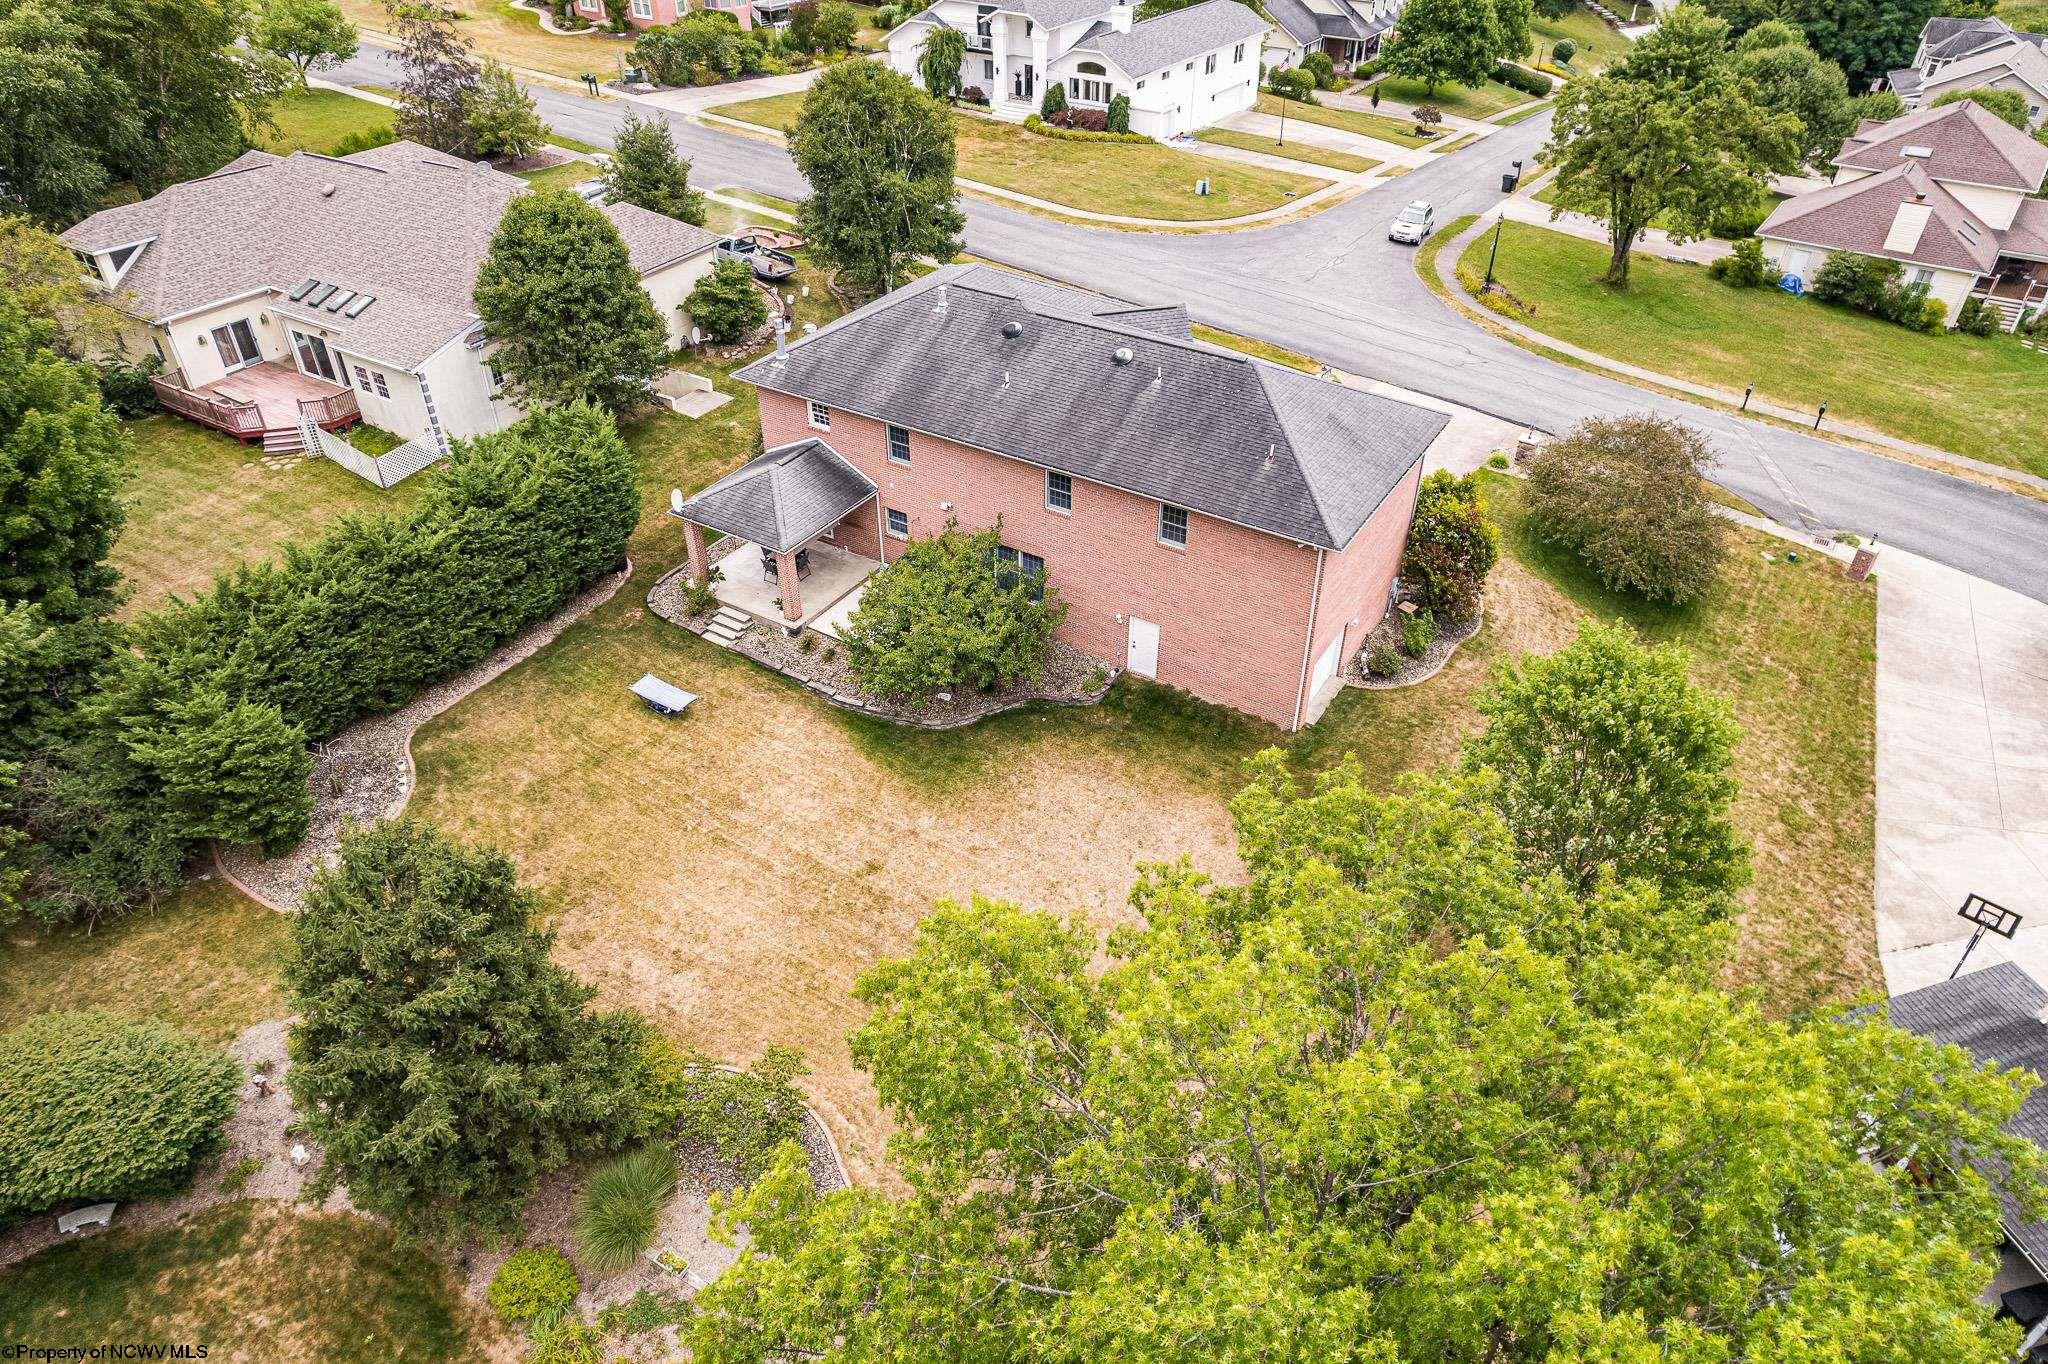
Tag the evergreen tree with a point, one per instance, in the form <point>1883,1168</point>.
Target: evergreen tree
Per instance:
<point>1439,41</point>
<point>939,59</point>
<point>441,1058</point>
<point>501,117</point>
<point>436,75</point>
<point>878,153</point>
<point>235,771</point>
<point>560,297</point>
<point>645,170</point>
<point>310,34</point>
<point>725,302</point>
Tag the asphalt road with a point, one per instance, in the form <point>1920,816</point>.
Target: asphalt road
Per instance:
<point>1332,286</point>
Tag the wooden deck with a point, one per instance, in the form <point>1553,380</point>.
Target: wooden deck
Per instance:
<point>276,390</point>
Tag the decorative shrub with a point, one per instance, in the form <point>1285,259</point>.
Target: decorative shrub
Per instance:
<point>643,1312</point>
<point>725,302</point>
<point>1451,546</point>
<point>1626,494</point>
<point>1034,124</point>
<point>1083,120</point>
<point>621,1207</point>
<point>1295,84</point>
<point>743,1116</point>
<point>700,598</point>
<point>1933,316</point>
<point>1497,460</point>
<point>974,94</point>
<point>950,613</point>
<point>1418,632</point>
<point>94,1106</point>
<point>1563,50</point>
<point>1053,102</point>
<point>565,1338</point>
<point>362,142</point>
<point>1428,115</point>
<point>1977,318</point>
<point>1118,119</point>
<point>1383,661</point>
<point>125,389</point>
<point>1746,267</point>
<point>1322,69</point>
<point>1522,78</point>
<point>1874,285</point>
<point>532,1281</point>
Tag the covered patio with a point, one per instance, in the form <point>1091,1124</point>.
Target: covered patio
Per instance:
<point>780,504</point>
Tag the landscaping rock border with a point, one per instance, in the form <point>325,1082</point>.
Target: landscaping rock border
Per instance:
<point>1413,670</point>
<point>365,773</point>
<point>1072,678</point>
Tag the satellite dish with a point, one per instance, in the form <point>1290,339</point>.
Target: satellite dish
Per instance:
<point>675,500</point>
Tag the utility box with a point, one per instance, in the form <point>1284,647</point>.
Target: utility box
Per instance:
<point>1202,187</point>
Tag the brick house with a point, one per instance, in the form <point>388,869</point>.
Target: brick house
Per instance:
<point>1226,525</point>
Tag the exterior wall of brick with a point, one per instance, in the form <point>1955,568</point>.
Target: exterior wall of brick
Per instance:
<point>1356,581</point>
<point>1232,607</point>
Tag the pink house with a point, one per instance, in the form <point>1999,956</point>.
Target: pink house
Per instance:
<point>639,13</point>
<point>1225,525</point>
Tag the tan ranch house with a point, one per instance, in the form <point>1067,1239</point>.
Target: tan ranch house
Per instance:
<point>338,289</point>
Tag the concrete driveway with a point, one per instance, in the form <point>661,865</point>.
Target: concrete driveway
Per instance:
<point>1962,768</point>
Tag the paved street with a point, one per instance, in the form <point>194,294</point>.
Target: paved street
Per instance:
<point>1332,286</point>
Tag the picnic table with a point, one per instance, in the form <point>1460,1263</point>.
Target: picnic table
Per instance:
<point>663,698</point>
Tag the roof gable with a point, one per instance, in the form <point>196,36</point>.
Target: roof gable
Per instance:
<point>1153,44</point>
<point>783,498</point>
<point>1861,215</point>
<point>1965,142</point>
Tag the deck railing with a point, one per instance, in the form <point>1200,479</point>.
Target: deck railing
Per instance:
<point>222,414</point>
<point>331,410</point>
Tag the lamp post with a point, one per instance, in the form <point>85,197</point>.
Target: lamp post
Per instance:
<point>1281,141</point>
<point>1494,254</point>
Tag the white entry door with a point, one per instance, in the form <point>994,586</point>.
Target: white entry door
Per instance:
<point>1326,666</point>
<point>1141,654</point>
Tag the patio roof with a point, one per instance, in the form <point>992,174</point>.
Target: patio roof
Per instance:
<point>783,499</point>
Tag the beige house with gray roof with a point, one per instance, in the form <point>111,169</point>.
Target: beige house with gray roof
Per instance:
<point>338,289</point>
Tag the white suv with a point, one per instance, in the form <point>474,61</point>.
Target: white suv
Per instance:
<point>1414,225</point>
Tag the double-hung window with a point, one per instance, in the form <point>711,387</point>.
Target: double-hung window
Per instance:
<point>821,415</point>
<point>1173,525</point>
<point>643,9</point>
<point>1014,566</point>
<point>899,523</point>
<point>1059,492</point>
<point>1209,65</point>
<point>1237,57</point>
<point>899,445</point>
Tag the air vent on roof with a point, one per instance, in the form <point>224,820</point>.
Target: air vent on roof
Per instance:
<point>1917,151</point>
<point>1013,329</point>
<point>305,288</point>
<point>321,295</point>
<point>334,304</point>
<point>327,191</point>
<point>355,309</point>
<point>1123,356</point>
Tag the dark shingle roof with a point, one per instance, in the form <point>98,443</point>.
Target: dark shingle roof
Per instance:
<point>1153,44</point>
<point>1964,141</point>
<point>1858,216</point>
<point>1995,1015</point>
<point>784,498</point>
<point>1190,424</point>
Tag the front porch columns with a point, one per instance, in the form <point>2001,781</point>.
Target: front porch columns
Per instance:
<point>792,595</point>
<point>700,560</point>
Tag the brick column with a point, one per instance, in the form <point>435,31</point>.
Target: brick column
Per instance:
<point>700,560</point>
<point>792,596</point>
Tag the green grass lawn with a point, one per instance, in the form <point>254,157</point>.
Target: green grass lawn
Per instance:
<point>1460,101</point>
<point>1379,126</point>
<point>1725,231</point>
<point>561,177</point>
<point>1508,120</point>
<point>249,1281</point>
<point>1265,350</point>
<point>2028,17</point>
<point>1293,151</point>
<point>199,502</point>
<point>1599,45</point>
<point>1132,179</point>
<point>1986,397</point>
<point>315,120</point>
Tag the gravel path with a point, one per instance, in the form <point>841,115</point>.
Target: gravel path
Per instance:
<point>365,773</point>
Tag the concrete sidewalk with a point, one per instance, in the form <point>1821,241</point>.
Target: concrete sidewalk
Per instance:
<point>1962,768</point>
<point>1522,208</point>
<point>696,99</point>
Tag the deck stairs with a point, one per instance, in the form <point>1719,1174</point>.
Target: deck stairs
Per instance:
<point>727,625</point>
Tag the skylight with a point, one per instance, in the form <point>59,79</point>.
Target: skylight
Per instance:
<point>334,304</point>
<point>320,295</point>
<point>355,309</point>
<point>306,288</point>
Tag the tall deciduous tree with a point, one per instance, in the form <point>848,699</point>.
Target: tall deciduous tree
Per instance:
<point>310,34</point>
<point>1791,78</point>
<point>443,1060</point>
<point>501,118</point>
<point>838,23</point>
<point>878,152</point>
<point>1611,761</point>
<point>645,170</point>
<point>1675,130</point>
<point>66,126</point>
<point>1391,1099</point>
<point>436,75</point>
<point>725,303</point>
<point>939,59</point>
<point>560,297</point>
<point>2008,105</point>
<point>1439,41</point>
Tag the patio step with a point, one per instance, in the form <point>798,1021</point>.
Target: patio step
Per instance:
<point>734,620</point>
<point>283,442</point>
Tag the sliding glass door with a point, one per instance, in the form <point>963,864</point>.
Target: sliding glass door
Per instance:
<point>314,358</point>
<point>236,345</point>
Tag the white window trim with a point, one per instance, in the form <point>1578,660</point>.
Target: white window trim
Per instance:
<point>889,440</point>
<point>817,414</point>
<point>889,514</point>
<point>1185,526</point>
<point>1068,510</point>
<point>643,9</point>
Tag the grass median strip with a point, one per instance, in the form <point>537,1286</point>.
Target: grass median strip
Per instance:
<point>1348,120</point>
<point>1459,101</point>
<point>1292,151</point>
<point>1128,179</point>
<point>1986,397</point>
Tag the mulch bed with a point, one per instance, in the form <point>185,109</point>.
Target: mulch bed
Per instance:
<point>1387,634</point>
<point>1072,678</point>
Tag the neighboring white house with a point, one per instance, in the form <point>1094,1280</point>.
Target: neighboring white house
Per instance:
<point>1182,71</point>
<point>1970,54</point>
<point>1945,192</point>
<point>1350,31</point>
<point>340,286</point>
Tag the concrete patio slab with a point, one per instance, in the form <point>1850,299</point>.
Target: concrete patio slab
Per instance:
<point>745,586</point>
<point>1962,768</point>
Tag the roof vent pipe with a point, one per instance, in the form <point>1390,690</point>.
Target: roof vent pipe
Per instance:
<point>940,306</point>
<point>327,191</point>
<point>1158,375</point>
<point>1123,356</point>
<point>781,340</point>
<point>1013,329</point>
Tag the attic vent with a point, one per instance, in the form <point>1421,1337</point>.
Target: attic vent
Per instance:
<point>1967,231</point>
<point>327,190</point>
<point>1917,151</point>
<point>1013,329</point>
<point>1123,356</point>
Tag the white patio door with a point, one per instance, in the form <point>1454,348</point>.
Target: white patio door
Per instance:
<point>1141,652</point>
<point>313,357</point>
<point>236,345</point>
